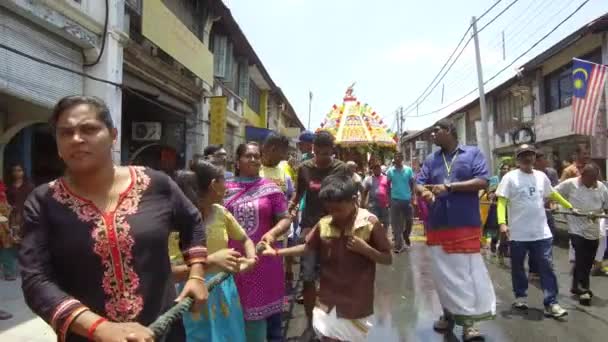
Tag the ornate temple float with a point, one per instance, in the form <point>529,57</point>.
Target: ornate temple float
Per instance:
<point>361,134</point>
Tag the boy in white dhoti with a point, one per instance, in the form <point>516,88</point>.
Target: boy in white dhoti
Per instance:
<point>349,242</point>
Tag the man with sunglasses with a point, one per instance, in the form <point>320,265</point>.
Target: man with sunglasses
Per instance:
<point>449,181</point>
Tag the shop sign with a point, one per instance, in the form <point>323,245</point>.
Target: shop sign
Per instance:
<point>217,117</point>
<point>165,30</point>
<point>291,132</point>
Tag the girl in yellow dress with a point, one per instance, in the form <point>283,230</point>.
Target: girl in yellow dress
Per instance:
<point>223,318</point>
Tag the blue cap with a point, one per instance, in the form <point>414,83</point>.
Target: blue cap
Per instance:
<point>306,136</point>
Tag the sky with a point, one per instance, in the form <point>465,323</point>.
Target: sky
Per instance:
<point>393,49</point>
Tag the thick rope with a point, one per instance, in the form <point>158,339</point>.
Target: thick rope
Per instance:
<point>163,323</point>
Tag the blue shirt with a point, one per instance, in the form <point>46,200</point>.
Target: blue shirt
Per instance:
<point>454,209</point>
<point>400,182</point>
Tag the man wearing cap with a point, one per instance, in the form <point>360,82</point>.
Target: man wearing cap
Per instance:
<point>305,144</point>
<point>523,192</point>
<point>449,181</point>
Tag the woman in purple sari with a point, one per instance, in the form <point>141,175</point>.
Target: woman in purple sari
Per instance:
<point>260,207</point>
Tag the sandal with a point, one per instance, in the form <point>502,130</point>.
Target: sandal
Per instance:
<point>443,324</point>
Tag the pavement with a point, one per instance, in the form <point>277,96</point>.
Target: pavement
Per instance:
<point>24,326</point>
<point>406,305</point>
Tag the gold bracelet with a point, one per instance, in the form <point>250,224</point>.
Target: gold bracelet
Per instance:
<point>196,277</point>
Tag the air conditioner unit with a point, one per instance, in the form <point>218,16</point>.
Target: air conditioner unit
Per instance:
<point>146,131</point>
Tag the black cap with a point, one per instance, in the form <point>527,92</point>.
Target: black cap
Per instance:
<point>524,149</point>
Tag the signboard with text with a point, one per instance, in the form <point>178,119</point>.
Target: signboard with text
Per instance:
<point>217,118</point>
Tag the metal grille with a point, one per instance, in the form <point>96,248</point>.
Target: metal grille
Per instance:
<point>30,80</point>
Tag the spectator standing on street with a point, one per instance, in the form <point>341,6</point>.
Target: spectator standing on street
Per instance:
<point>376,192</point>
<point>9,239</point>
<point>401,178</point>
<point>523,192</point>
<point>582,158</point>
<point>217,155</point>
<point>589,195</point>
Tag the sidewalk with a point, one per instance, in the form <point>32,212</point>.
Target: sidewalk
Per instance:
<point>24,326</point>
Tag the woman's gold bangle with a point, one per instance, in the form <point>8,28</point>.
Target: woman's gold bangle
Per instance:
<point>196,277</point>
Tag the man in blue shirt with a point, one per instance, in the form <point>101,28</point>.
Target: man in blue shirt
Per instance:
<point>401,180</point>
<point>449,181</point>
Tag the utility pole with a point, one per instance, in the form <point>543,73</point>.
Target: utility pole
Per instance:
<point>401,121</point>
<point>309,107</point>
<point>397,118</point>
<point>484,144</point>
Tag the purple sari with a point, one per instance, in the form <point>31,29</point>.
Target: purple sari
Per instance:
<point>257,204</point>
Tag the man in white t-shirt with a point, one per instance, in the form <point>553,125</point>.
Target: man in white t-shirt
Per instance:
<point>591,196</point>
<point>524,191</point>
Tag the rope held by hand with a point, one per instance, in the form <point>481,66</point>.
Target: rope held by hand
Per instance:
<point>162,324</point>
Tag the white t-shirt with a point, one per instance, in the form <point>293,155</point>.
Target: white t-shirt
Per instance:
<point>593,200</point>
<point>526,193</point>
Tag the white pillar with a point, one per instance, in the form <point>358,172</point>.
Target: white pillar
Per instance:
<point>110,68</point>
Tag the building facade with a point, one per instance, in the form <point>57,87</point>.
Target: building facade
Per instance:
<point>536,102</point>
<point>172,89</point>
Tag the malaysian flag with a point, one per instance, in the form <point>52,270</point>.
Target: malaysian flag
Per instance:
<point>588,88</point>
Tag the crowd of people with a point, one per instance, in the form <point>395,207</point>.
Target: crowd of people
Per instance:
<point>12,199</point>
<point>105,249</point>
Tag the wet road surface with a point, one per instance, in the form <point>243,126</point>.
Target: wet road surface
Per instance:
<point>406,306</point>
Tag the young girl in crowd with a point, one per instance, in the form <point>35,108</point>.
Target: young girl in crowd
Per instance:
<point>349,242</point>
<point>223,317</point>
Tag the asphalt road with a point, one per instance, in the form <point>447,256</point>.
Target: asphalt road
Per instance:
<point>406,306</point>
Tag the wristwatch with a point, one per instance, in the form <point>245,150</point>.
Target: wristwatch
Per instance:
<point>448,186</point>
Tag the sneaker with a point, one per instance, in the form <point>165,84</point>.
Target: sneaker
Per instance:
<point>471,334</point>
<point>443,324</point>
<point>585,299</point>
<point>520,304</point>
<point>399,250</point>
<point>576,291</point>
<point>555,311</point>
<point>5,315</point>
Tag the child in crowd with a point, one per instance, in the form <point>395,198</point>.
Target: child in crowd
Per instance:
<point>223,317</point>
<point>349,242</point>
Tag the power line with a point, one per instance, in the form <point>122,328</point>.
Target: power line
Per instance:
<point>498,15</point>
<point>528,15</point>
<point>513,62</point>
<point>432,87</point>
<point>464,36</point>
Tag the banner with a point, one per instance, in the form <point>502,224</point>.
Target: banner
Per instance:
<point>217,117</point>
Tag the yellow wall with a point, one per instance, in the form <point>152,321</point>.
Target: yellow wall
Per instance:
<point>165,30</point>
<point>257,119</point>
<point>264,109</point>
<point>253,119</point>
<point>581,47</point>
